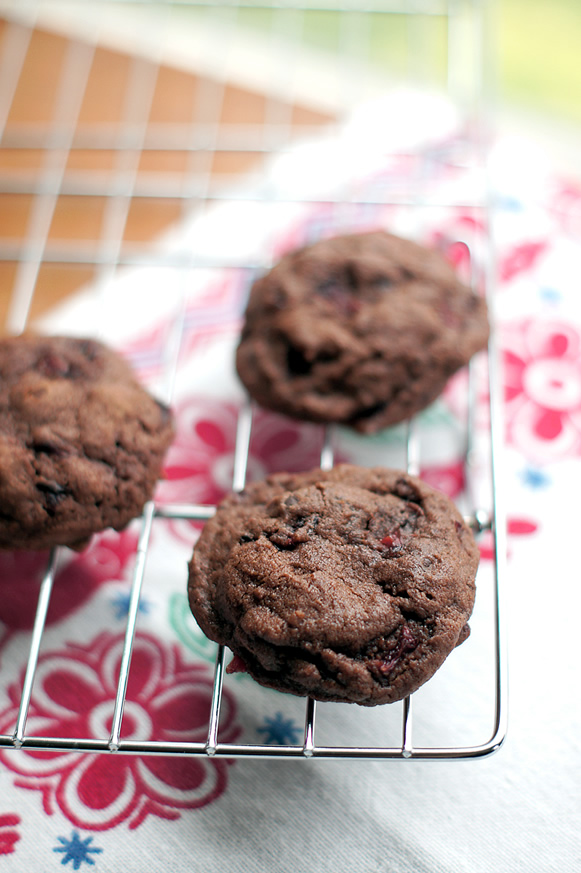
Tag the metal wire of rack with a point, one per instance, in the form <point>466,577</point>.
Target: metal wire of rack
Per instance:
<point>58,137</point>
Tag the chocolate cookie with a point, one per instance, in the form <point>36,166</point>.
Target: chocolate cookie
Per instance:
<point>81,442</point>
<point>364,330</point>
<point>350,585</point>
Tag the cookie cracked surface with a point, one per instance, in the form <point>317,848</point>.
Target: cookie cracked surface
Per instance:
<point>350,585</point>
<point>81,441</point>
<point>363,330</point>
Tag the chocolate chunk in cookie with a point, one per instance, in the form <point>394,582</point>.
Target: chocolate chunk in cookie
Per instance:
<point>81,441</point>
<point>363,330</point>
<point>348,585</point>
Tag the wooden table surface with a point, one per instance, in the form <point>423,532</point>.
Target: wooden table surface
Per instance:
<point>76,121</point>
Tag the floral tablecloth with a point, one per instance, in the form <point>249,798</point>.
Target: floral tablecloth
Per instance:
<point>519,810</point>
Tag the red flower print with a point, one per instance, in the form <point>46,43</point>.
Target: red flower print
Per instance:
<point>9,836</point>
<point>458,242</point>
<point>167,700</point>
<point>515,527</point>
<point>200,463</point>
<point>104,560</point>
<point>542,388</point>
<point>520,258</point>
<point>566,206</point>
<point>448,478</point>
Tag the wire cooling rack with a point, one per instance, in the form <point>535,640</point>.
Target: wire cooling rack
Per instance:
<point>128,165</point>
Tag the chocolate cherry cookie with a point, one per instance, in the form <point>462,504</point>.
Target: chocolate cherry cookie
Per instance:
<point>364,330</point>
<point>81,441</point>
<point>349,585</point>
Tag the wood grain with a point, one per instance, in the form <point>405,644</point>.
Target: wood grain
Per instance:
<point>181,105</point>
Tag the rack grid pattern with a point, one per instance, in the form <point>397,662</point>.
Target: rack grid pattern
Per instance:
<point>128,163</point>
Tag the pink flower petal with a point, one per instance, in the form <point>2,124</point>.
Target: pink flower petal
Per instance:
<point>543,435</point>
<point>109,553</point>
<point>521,526</point>
<point>458,254</point>
<point>21,573</point>
<point>186,463</point>
<point>520,258</point>
<point>549,424</point>
<point>103,782</point>
<point>449,478</point>
<point>7,841</point>
<point>558,345</point>
<point>99,792</point>
<point>175,471</point>
<point>281,441</point>
<point>211,435</point>
<point>146,668</point>
<point>74,585</point>
<point>513,368</point>
<point>184,709</point>
<point>551,339</point>
<point>185,774</point>
<point>68,689</point>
